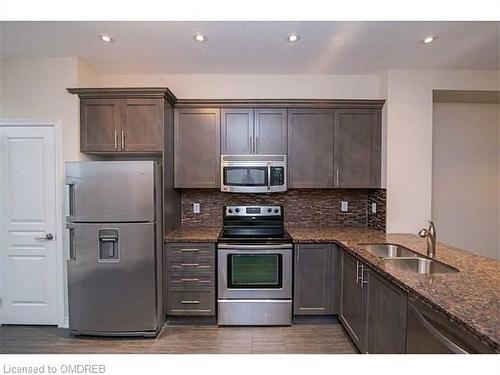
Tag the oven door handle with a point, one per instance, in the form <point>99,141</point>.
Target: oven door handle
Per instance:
<point>254,247</point>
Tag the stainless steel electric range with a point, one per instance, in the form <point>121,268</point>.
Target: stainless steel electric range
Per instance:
<point>255,259</point>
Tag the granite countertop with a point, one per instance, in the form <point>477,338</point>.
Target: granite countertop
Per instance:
<point>470,297</point>
<point>193,234</point>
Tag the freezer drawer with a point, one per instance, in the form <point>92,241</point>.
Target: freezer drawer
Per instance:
<point>113,278</point>
<point>115,191</point>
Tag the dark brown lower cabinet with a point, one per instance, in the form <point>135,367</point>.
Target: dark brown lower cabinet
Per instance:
<point>190,279</point>
<point>386,307</point>
<point>352,301</point>
<point>315,272</point>
<point>372,309</point>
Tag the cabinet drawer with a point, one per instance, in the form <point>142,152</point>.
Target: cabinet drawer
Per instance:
<point>190,263</point>
<point>195,302</point>
<point>190,249</point>
<point>182,279</point>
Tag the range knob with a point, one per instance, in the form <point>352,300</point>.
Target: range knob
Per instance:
<point>276,210</point>
<point>237,209</point>
<point>230,210</point>
<point>269,209</point>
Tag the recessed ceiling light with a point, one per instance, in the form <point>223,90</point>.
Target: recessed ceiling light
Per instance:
<point>106,38</point>
<point>429,39</point>
<point>200,38</point>
<point>293,37</point>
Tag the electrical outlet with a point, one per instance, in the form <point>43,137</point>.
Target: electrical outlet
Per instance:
<point>344,206</point>
<point>196,208</point>
<point>374,208</point>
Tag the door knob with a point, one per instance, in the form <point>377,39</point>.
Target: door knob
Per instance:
<point>48,237</point>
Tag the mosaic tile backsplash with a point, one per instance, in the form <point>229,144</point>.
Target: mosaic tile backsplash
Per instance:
<point>307,207</point>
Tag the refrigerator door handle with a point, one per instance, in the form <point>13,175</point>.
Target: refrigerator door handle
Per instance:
<point>72,249</point>
<point>71,198</point>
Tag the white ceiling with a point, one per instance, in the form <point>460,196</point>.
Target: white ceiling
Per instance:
<point>258,47</point>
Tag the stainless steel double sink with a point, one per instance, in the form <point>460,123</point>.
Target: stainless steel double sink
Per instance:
<point>407,259</point>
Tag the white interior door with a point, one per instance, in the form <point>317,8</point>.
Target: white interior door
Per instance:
<point>28,277</point>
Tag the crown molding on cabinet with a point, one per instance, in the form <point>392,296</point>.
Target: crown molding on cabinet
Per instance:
<point>289,103</point>
<point>135,92</point>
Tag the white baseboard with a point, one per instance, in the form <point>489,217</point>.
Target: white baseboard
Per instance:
<point>65,324</point>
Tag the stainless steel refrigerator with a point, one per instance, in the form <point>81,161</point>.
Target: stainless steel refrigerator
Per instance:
<point>115,231</point>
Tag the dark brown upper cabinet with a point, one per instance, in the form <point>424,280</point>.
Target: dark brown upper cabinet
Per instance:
<point>270,131</point>
<point>310,148</point>
<point>357,147</point>
<point>253,131</point>
<point>237,131</point>
<point>100,125</point>
<point>142,125</point>
<point>197,147</point>
<point>129,120</point>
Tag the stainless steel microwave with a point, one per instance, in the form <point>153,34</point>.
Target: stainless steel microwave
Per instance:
<point>253,173</point>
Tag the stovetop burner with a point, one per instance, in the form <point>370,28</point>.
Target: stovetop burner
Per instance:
<point>254,224</point>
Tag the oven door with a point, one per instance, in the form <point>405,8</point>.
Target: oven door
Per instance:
<point>255,271</point>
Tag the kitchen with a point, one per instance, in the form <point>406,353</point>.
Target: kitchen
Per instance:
<point>248,212</point>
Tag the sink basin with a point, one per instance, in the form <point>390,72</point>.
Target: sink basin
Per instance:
<point>386,250</point>
<point>420,265</point>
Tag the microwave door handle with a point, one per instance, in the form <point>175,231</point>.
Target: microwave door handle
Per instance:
<point>268,176</point>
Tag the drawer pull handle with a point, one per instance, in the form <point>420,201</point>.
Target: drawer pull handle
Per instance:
<point>190,302</point>
<point>190,250</point>
<point>190,265</point>
<point>188,280</point>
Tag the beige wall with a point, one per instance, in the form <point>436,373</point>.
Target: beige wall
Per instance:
<point>224,86</point>
<point>465,188</point>
<point>409,139</point>
<point>35,88</point>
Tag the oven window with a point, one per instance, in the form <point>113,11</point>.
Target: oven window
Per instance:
<point>245,176</point>
<point>255,271</point>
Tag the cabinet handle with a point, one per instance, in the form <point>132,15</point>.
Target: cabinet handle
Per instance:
<point>255,145</point>
<point>190,250</point>
<point>116,139</point>
<point>123,140</point>
<point>363,281</point>
<point>190,264</point>
<point>298,253</point>
<point>251,145</point>
<point>190,302</point>
<point>188,280</point>
<point>337,177</point>
<point>358,277</point>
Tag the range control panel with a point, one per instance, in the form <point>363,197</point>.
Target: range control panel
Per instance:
<point>253,211</point>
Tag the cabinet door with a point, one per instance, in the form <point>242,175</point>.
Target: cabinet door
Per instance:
<point>357,148</point>
<point>310,148</point>
<point>351,305</point>
<point>99,125</point>
<point>142,125</point>
<point>270,131</point>
<point>312,280</point>
<point>237,131</point>
<point>197,148</point>
<point>386,310</point>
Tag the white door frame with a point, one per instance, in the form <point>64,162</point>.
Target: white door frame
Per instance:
<point>60,205</point>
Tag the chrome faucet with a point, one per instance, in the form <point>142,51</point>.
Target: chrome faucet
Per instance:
<point>430,235</point>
